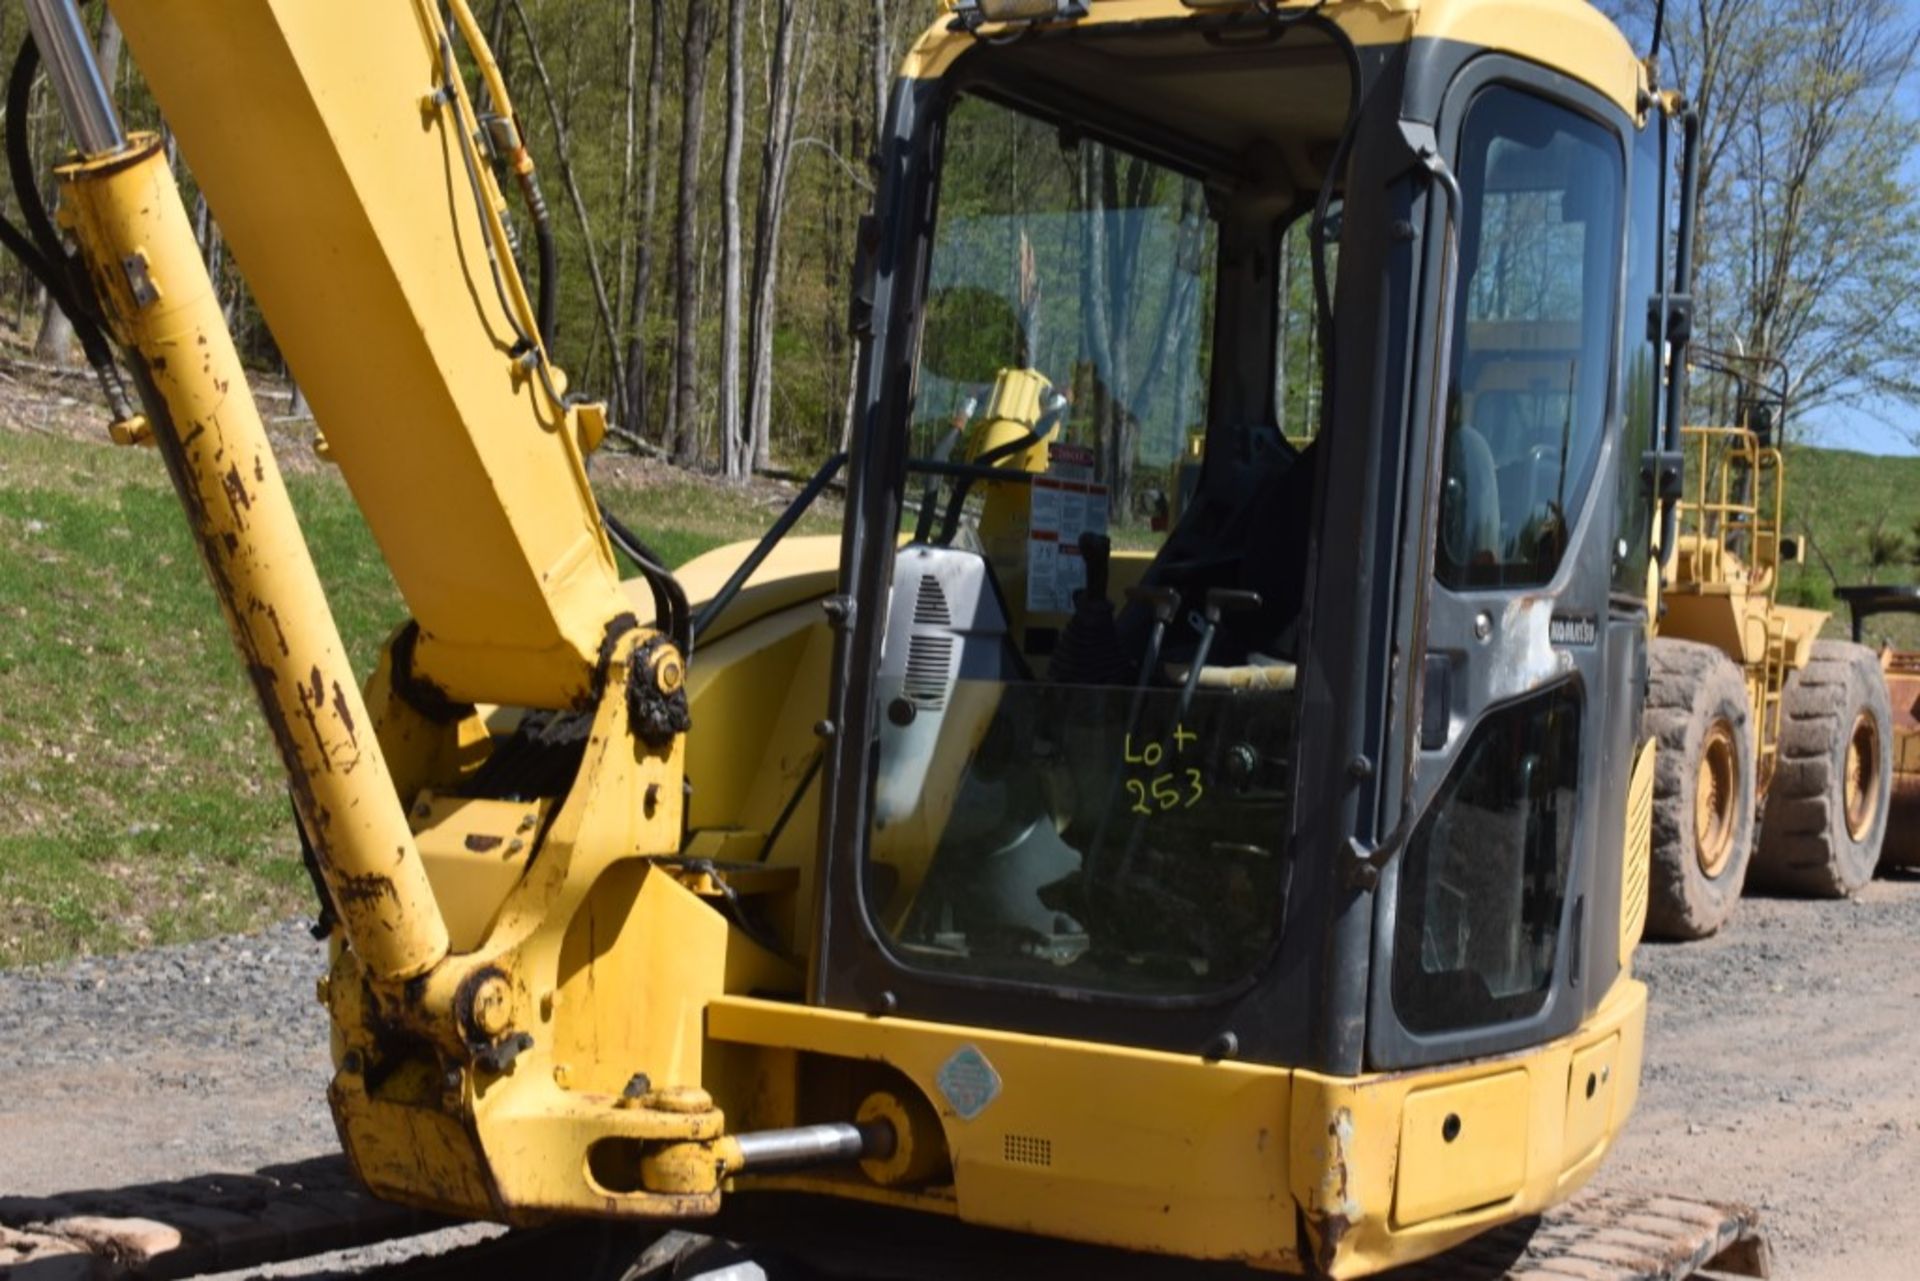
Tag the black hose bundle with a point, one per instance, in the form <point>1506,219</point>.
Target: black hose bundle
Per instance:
<point>40,249</point>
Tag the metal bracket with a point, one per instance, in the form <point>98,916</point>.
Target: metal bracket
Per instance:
<point>140,280</point>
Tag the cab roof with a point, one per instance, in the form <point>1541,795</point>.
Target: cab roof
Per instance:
<point>1567,36</point>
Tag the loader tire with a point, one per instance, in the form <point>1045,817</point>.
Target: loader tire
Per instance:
<point>1703,789</point>
<point>1827,807</point>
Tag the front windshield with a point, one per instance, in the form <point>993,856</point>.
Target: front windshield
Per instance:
<point>1088,268</point>
<point>1086,685</point>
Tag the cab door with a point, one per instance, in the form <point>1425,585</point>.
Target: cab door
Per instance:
<point>1485,908</point>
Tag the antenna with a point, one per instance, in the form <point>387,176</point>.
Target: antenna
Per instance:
<point>1659,27</point>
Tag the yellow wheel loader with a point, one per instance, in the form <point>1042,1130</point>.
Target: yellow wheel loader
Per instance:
<point>1776,747</point>
<point>1901,668</point>
<point>1260,890</point>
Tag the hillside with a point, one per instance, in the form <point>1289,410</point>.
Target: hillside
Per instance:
<point>1860,517</point>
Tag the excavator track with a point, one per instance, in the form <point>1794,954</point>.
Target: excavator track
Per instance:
<point>192,1227</point>
<point>219,1223</point>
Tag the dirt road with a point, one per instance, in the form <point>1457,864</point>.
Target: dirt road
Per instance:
<point>1783,1069</point>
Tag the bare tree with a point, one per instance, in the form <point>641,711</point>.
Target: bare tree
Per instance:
<point>791,57</point>
<point>736,454</point>
<point>1809,247</point>
<point>640,305</point>
<point>610,329</point>
<point>695,48</point>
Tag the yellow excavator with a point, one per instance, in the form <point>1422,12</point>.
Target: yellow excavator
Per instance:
<point>1141,827</point>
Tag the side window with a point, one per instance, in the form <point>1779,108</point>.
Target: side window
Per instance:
<point>1533,338</point>
<point>1484,882</point>
<point>1298,359</point>
<point>1646,262</point>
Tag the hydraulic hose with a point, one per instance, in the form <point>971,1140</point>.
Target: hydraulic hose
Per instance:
<point>547,286</point>
<point>40,249</point>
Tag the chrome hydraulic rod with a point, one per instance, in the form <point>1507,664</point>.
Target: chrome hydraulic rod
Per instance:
<point>125,210</point>
<point>75,73</point>
<point>810,1146</point>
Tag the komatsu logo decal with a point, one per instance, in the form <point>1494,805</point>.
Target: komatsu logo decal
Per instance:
<point>1582,630</point>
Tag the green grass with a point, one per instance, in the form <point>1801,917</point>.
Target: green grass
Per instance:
<point>140,799</point>
<point>1858,515</point>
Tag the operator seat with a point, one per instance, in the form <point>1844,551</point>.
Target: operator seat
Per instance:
<point>1246,531</point>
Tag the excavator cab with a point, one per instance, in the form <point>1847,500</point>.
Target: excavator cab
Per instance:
<point>1318,772</point>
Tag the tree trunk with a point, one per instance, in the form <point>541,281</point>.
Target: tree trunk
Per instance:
<point>686,361</point>
<point>735,453</point>
<point>640,306</point>
<point>630,118</point>
<point>882,68</point>
<point>776,168</point>
<point>55,343</point>
<point>609,329</point>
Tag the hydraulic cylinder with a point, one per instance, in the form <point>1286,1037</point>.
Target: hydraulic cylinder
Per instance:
<point>124,207</point>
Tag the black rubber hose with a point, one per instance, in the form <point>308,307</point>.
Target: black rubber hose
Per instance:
<point>670,598</point>
<point>70,292</point>
<point>24,250</point>
<point>26,185</point>
<point>548,287</point>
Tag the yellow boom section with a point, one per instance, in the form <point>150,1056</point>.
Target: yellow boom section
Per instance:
<point>329,144</point>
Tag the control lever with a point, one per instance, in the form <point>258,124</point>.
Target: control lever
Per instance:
<point>1165,604</point>
<point>1221,601</point>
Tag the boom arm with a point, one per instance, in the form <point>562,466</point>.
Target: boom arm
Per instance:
<point>337,153</point>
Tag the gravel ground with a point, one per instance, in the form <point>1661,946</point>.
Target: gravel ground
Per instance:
<point>1779,1072</point>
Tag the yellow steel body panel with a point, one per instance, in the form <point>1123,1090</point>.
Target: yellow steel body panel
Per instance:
<point>1592,1086</point>
<point>126,212</point>
<point>800,569</point>
<point>1346,1137</point>
<point>475,852</point>
<point>345,199</point>
<point>1151,1151</point>
<point>1462,1146</point>
<point>1168,1154</point>
<point>1569,36</point>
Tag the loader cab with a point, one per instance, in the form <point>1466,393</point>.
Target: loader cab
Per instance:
<point>1230,659</point>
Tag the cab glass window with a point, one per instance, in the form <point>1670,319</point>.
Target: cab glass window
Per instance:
<point>1086,685</point>
<point>1534,336</point>
<point>1483,887</point>
<point>1641,383</point>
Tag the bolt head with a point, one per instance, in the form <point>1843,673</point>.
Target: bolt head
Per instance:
<point>493,1007</point>
<point>669,673</point>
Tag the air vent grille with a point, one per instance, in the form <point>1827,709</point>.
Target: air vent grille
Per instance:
<point>930,608</point>
<point>1025,1149</point>
<point>929,668</point>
